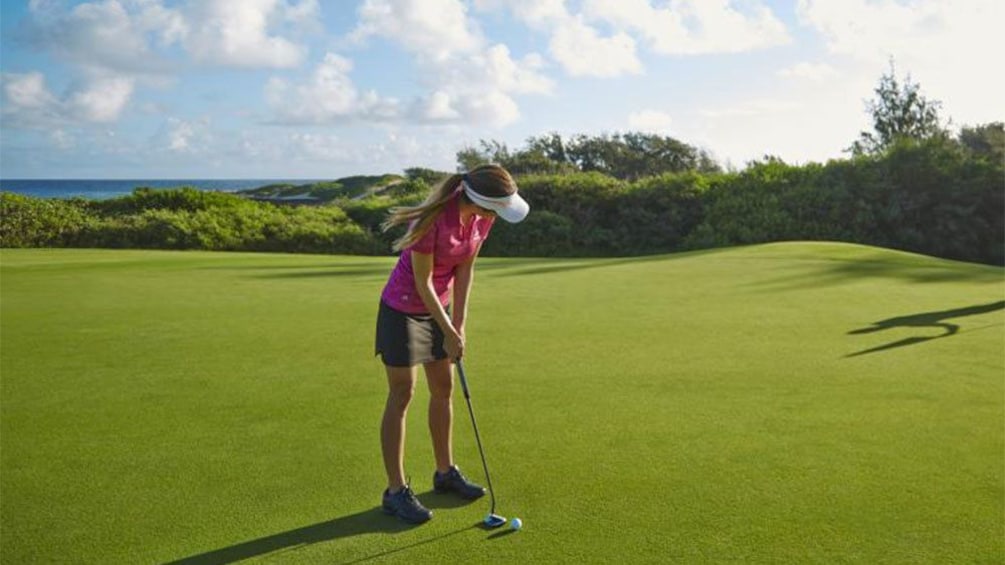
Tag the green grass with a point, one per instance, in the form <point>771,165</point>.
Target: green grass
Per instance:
<point>702,407</point>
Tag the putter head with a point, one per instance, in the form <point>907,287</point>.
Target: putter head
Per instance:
<point>493,521</point>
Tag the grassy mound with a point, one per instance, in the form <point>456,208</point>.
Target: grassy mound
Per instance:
<point>787,402</point>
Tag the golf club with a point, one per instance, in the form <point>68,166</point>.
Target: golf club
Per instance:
<point>493,520</point>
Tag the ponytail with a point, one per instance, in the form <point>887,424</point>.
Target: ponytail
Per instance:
<point>420,218</point>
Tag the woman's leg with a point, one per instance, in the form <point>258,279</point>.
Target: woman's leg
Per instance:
<point>440,376</point>
<point>401,386</point>
<point>448,478</point>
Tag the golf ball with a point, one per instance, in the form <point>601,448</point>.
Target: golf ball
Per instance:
<point>516,523</point>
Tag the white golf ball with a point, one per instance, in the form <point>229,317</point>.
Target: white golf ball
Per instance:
<point>516,523</point>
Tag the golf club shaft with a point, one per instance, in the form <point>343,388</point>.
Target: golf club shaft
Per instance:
<point>478,439</point>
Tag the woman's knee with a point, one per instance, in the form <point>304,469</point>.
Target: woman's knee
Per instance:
<point>401,389</point>
<point>441,379</point>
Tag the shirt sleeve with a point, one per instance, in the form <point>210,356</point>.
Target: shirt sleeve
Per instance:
<point>427,243</point>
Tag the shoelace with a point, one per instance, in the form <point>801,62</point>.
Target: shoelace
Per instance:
<point>407,490</point>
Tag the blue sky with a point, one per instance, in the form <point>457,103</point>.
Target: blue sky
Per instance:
<point>312,89</point>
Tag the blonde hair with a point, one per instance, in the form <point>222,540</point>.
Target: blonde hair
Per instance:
<point>488,180</point>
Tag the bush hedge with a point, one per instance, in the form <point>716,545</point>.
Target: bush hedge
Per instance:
<point>935,196</point>
<point>183,218</point>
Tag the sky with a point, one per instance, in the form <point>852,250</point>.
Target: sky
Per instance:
<point>283,89</point>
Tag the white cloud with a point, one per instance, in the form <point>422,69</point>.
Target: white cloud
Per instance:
<point>534,12</point>
<point>317,153</point>
<point>691,27</point>
<point>469,80</point>
<point>478,88</point>
<point>817,112</point>
<point>432,29</point>
<point>305,15</point>
<point>29,103</point>
<point>27,91</point>
<point>321,147</point>
<point>753,108</point>
<point>583,52</point>
<point>577,46</point>
<point>237,32</point>
<point>494,108</point>
<point>102,100</point>
<point>650,120</point>
<point>799,121</point>
<point>859,28</point>
<point>524,76</point>
<point>949,48</point>
<point>438,106</point>
<point>683,27</point>
<point>117,34</point>
<point>109,35</point>
<point>112,45</point>
<point>181,137</point>
<point>184,136</point>
<point>445,107</point>
<point>814,72</point>
<point>329,96</point>
<point>61,139</point>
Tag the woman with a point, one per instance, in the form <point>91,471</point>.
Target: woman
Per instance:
<point>415,326</point>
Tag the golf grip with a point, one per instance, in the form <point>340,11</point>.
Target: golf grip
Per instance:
<point>464,381</point>
<point>474,424</point>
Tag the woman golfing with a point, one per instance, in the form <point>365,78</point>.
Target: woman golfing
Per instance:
<point>423,309</point>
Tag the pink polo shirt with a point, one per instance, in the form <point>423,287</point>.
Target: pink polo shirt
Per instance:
<point>450,243</point>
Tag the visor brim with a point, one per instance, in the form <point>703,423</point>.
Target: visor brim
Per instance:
<point>513,211</point>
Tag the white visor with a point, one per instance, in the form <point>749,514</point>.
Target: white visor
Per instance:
<point>512,208</point>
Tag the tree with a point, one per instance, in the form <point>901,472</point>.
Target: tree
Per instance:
<point>550,146</point>
<point>898,112</point>
<point>987,140</point>
<point>543,155</point>
<point>635,155</point>
<point>491,151</point>
<point>627,156</point>
<point>429,176</point>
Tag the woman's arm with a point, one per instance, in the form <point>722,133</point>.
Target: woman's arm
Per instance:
<point>422,266</point>
<point>464,275</point>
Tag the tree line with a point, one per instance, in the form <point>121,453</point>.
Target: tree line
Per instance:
<point>910,183</point>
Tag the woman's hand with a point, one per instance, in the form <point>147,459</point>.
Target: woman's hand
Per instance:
<point>453,343</point>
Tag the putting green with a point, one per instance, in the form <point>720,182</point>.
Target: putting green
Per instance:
<point>798,402</point>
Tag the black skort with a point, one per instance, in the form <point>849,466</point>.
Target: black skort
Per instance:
<point>405,340</point>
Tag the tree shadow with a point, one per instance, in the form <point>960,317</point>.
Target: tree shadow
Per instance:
<point>316,270</point>
<point>339,271</point>
<point>366,522</point>
<point>522,266</point>
<point>923,320</point>
<point>908,269</point>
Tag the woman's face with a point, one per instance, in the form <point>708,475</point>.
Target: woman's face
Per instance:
<point>484,212</point>
<point>477,210</point>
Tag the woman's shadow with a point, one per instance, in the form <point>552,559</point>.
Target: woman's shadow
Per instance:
<point>368,521</point>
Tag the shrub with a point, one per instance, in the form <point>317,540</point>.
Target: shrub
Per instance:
<point>36,222</point>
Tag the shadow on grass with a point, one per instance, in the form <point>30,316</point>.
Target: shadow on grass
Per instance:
<point>376,262</point>
<point>397,550</point>
<point>907,269</point>
<point>317,270</point>
<point>510,267</point>
<point>502,266</point>
<point>923,320</point>
<point>372,271</point>
<point>366,522</point>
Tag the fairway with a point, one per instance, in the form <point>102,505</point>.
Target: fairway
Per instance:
<point>792,402</point>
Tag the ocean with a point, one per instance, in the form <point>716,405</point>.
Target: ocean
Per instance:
<point>99,189</point>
